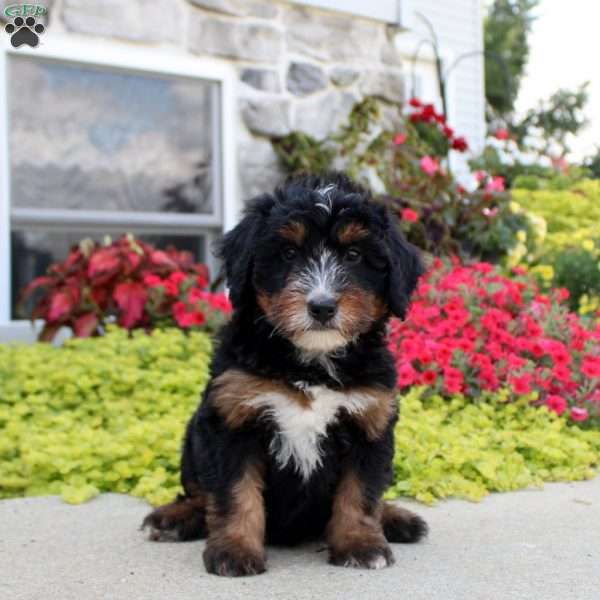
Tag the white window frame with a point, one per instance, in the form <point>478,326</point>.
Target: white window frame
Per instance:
<point>388,11</point>
<point>123,57</point>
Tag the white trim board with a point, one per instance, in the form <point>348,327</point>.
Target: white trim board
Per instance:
<point>387,11</point>
<point>121,55</point>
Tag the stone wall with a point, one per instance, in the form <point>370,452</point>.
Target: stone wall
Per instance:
<point>298,67</point>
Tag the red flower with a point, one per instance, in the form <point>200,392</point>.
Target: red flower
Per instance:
<point>591,367</point>
<point>177,277</point>
<point>415,102</point>
<point>556,403</point>
<point>187,318</point>
<point>502,134</point>
<point>152,280</point>
<point>460,144</point>
<point>429,377</point>
<point>410,215</point>
<point>406,375</point>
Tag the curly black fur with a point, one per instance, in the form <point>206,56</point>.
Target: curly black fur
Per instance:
<point>216,454</point>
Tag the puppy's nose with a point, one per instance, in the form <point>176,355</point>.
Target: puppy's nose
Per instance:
<point>322,309</point>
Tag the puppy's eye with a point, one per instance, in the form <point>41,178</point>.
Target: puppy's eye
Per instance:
<point>352,255</point>
<point>290,253</point>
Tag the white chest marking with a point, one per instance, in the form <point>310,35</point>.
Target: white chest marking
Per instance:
<point>301,429</point>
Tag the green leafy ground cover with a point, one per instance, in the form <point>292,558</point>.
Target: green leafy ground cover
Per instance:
<point>108,414</point>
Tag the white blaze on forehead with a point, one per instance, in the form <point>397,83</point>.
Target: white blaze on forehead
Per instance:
<point>300,429</point>
<point>322,276</point>
<point>325,193</point>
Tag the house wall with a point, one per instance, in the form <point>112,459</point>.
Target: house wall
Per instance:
<point>293,66</point>
<point>459,27</point>
<point>298,67</point>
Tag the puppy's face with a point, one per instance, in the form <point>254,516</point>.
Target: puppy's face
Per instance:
<point>321,260</point>
<point>320,275</point>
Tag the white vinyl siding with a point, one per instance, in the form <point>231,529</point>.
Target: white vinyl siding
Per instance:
<point>459,28</point>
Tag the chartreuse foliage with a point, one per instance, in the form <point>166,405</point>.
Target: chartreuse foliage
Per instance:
<point>457,448</point>
<point>108,414</point>
<point>568,255</point>
<point>98,415</point>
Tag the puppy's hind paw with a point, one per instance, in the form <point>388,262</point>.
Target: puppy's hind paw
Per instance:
<point>180,521</point>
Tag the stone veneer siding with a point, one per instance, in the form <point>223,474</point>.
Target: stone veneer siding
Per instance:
<point>298,67</point>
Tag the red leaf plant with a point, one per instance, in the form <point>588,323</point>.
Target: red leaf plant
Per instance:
<point>128,281</point>
<point>471,329</point>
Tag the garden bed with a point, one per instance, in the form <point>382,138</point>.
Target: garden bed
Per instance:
<point>108,414</point>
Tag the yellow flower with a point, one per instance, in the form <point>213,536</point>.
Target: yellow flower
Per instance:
<point>522,235</point>
<point>587,245</point>
<point>546,272</point>
<point>514,207</point>
<point>516,254</point>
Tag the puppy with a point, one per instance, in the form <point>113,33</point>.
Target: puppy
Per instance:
<point>294,437</point>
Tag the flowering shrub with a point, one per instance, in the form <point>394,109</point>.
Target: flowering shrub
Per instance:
<point>126,280</point>
<point>567,250</point>
<point>471,330</point>
<point>407,169</point>
<point>108,415</point>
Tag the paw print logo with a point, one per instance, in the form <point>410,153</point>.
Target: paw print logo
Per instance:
<point>24,31</point>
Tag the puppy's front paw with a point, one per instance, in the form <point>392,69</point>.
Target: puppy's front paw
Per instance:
<point>231,561</point>
<point>375,556</point>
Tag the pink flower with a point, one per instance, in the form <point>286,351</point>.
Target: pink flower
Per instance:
<point>502,134</point>
<point>556,403</point>
<point>496,184</point>
<point>429,166</point>
<point>480,176</point>
<point>490,213</point>
<point>408,214</point>
<point>579,414</point>
<point>399,139</point>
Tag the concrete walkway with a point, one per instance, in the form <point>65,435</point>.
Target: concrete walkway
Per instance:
<point>535,544</point>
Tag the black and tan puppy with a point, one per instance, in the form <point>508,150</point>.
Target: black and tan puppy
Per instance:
<point>294,437</point>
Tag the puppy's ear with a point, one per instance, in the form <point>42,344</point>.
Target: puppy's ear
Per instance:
<point>237,248</point>
<point>405,268</point>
